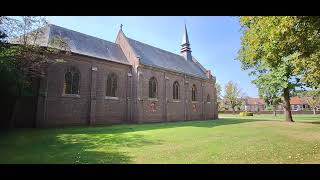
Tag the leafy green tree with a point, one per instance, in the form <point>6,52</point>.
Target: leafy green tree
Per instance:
<point>233,95</point>
<point>22,59</point>
<point>282,52</point>
<point>219,99</point>
<point>312,97</point>
<point>271,96</point>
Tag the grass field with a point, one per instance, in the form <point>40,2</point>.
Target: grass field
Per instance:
<point>231,139</point>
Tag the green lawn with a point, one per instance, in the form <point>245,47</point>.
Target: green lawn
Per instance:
<point>231,139</point>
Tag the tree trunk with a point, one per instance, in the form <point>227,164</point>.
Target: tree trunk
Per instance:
<point>274,111</point>
<point>233,111</point>
<point>314,110</point>
<point>14,113</point>
<point>15,106</point>
<point>287,109</point>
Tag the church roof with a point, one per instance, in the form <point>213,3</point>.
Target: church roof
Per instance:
<point>160,58</point>
<point>83,44</point>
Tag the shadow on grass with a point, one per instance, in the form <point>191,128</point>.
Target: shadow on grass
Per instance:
<point>50,147</point>
<point>98,144</point>
<point>310,122</point>
<point>125,128</point>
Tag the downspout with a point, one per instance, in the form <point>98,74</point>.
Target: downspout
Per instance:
<point>45,101</point>
<point>165,113</point>
<point>131,97</point>
<point>185,98</point>
<point>202,99</point>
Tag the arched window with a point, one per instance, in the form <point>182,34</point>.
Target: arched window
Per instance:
<point>111,85</point>
<point>176,90</point>
<point>153,87</point>
<point>208,98</point>
<point>71,81</point>
<point>194,92</point>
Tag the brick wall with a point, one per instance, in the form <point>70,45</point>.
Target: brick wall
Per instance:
<point>167,109</point>
<point>60,110</point>
<point>132,103</point>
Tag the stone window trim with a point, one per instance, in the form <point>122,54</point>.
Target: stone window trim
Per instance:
<point>152,99</point>
<point>71,84</point>
<point>194,102</point>
<point>111,85</point>
<point>71,95</point>
<point>208,98</point>
<point>194,93</point>
<point>176,101</point>
<point>111,98</point>
<point>153,87</point>
<point>176,91</point>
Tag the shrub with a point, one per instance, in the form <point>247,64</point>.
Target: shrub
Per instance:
<point>246,114</point>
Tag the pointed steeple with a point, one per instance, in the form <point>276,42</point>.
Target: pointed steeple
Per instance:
<point>186,50</point>
<point>185,39</point>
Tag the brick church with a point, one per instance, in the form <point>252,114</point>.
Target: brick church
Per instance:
<point>125,81</point>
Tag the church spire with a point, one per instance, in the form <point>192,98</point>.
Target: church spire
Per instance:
<point>185,39</point>
<point>186,50</point>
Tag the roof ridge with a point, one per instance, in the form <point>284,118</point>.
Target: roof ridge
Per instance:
<point>194,60</point>
<point>155,47</point>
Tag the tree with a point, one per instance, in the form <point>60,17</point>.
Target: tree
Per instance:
<point>22,59</point>
<point>282,52</point>
<point>232,95</point>
<point>312,97</point>
<point>271,96</point>
<point>219,99</point>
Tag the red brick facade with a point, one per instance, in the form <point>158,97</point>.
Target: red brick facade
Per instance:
<point>132,103</point>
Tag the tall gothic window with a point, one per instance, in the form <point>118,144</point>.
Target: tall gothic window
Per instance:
<point>176,90</point>
<point>153,87</point>
<point>71,81</point>
<point>194,92</point>
<point>208,98</point>
<point>111,85</point>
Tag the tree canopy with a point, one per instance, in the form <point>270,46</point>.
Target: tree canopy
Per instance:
<point>282,52</point>
<point>233,95</point>
<point>22,60</point>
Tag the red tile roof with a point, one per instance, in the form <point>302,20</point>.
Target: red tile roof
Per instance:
<point>255,101</point>
<point>296,100</point>
<point>258,101</point>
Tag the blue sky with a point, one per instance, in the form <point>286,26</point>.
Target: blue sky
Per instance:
<point>215,40</point>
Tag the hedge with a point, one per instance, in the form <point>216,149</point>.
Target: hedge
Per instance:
<point>246,114</point>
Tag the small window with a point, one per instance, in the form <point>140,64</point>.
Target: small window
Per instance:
<point>176,90</point>
<point>208,98</point>
<point>111,85</point>
<point>72,80</point>
<point>194,92</point>
<point>152,87</point>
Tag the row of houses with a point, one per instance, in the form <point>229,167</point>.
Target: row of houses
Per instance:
<point>257,104</point>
